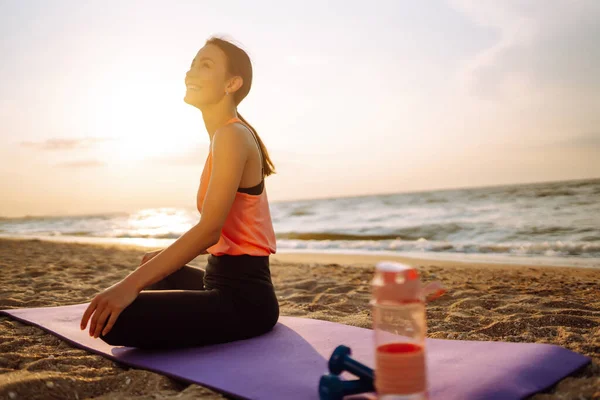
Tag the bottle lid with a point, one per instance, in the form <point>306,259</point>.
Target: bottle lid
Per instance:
<point>396,282</point>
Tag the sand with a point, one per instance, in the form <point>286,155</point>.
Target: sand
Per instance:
<point>484,302</point>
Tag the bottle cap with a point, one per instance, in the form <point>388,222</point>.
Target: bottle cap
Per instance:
<point>396,282</point>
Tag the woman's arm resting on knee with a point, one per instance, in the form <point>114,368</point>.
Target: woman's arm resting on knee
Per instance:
<point>191,244</point>
<point>229,159</point>
<point>105,307</point>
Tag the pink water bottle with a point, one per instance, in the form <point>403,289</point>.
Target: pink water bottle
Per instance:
<point>399,325</point>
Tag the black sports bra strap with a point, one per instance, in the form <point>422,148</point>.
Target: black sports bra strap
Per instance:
<point>262,168</point>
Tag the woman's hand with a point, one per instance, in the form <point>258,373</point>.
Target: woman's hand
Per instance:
<point>150,255</point>
<point>107,306</point>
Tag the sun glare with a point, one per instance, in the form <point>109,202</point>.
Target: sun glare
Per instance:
<point>142,122</point>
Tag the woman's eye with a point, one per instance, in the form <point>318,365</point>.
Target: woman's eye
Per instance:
<point>204,64</point>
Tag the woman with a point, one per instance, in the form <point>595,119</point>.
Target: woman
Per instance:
<point>166,303</point>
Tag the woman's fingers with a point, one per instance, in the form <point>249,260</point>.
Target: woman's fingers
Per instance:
<point>106,307</point>
<point>111,322</point>
<point>88,312</point>
<point>97,313</point>
<point>101,320</point>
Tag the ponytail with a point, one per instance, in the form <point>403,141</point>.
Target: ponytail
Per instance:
<point>268,166</point>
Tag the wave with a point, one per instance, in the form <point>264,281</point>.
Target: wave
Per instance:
<point>555,193</point>
<point>551,249</point>
<point>427,232</point>
<point>331,236</point>
<point>547,230</point>
<point>76,233</point>
<point>301,212</point>
<point>169,235</point>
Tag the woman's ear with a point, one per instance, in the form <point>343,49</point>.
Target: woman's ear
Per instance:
<point>234,84</point>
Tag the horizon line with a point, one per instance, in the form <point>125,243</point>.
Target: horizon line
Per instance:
<point>326,198</point>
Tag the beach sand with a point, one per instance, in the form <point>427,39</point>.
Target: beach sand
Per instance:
<point>484,302</point>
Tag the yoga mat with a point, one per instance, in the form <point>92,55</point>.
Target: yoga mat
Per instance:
<point>287,362</point>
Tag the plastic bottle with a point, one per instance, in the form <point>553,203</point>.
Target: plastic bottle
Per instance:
<point>399,325</point>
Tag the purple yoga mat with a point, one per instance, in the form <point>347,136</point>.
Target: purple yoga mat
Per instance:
<point>287,362</point>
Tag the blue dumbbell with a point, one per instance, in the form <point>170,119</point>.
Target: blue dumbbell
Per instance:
<point>341,361</point>
<point>331,387</point>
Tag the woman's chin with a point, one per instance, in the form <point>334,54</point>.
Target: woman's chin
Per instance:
<point>191,101</point>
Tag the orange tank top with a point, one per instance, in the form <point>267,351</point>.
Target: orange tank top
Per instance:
<point>248,228</point>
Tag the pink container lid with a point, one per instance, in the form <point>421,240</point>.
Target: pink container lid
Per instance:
<point>396,282</point>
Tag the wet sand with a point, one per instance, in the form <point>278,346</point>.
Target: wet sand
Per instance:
<point>515,303</point>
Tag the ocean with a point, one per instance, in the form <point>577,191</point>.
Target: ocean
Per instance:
<point>555,223</point>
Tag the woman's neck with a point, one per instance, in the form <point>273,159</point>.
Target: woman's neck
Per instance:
<point>215,120</point>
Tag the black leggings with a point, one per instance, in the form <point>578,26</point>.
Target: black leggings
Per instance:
<point>233,299</point>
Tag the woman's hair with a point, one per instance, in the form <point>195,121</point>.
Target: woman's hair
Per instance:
<point>238,64</point>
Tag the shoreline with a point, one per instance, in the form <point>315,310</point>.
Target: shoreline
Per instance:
<point>425,257</point>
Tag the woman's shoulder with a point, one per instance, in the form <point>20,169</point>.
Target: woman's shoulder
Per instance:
<point>231,136</point>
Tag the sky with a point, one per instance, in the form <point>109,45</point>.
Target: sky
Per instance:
<point>350,97</point>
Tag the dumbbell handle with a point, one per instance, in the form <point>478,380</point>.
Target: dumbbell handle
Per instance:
<point>357,386</point>
<point>331,387</point>
<point>341,361</point>
<point>358,369</point>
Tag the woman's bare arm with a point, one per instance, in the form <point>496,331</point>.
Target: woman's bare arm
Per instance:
<point>191,244</point>
<point>229,158</point>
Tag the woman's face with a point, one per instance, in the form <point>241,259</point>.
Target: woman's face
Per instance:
<point>206,80</point>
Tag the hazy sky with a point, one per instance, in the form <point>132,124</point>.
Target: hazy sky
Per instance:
<point>350,97</point>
